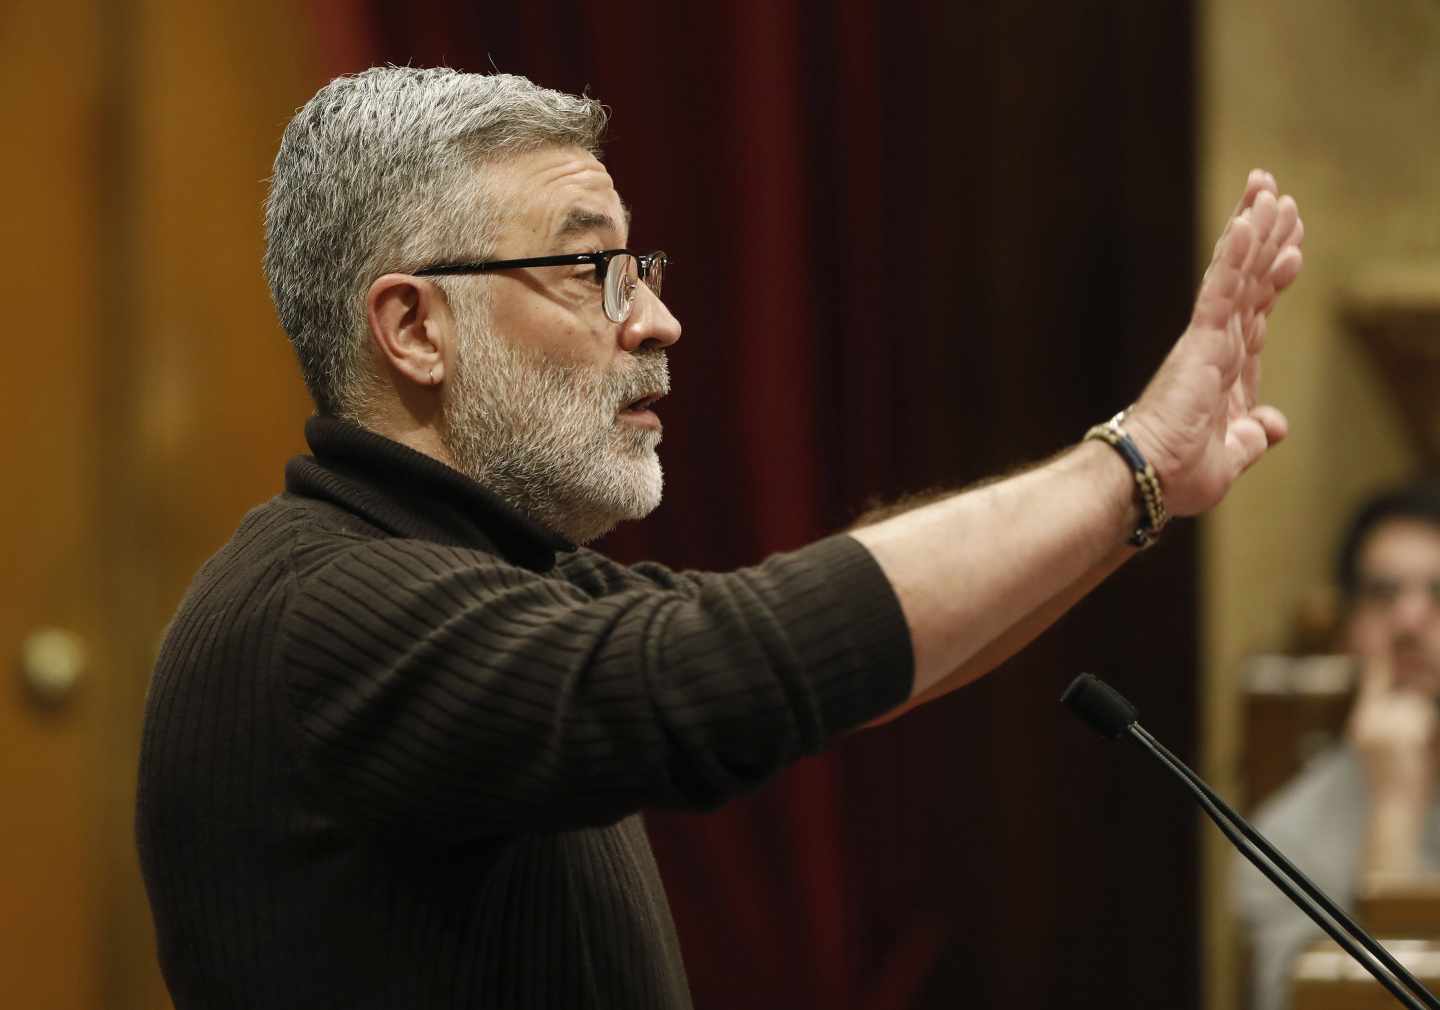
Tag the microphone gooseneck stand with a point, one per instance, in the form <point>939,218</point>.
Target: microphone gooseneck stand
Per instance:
<point>1107,712</point>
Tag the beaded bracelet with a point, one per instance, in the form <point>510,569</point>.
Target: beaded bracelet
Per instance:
<point>1153,516</point>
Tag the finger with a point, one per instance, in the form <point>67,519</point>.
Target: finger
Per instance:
<point>1236,403</point>
<point>1221,287</point>
<point>1248,388</point>
<point>1255,335</point>
<point>1263,217</point>
<point>1259,298</point>
<point>1220,242</point>
<point>1283,272</point>
<point>1282,275</point>
<point>1287,219</point>
<point>1258,181</point>
<point>1246,441</point>
<point>1287,215</point>
<point>1286,267</point>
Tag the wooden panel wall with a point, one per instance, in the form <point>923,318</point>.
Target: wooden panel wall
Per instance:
<point>1340,101</point>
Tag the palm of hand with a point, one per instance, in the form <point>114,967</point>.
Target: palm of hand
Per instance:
<point>1199,422</point>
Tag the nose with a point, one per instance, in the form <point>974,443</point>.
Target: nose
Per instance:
<point>1414,608</point>
<point>650,326</point>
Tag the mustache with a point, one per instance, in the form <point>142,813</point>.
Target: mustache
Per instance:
<point>648,376</point>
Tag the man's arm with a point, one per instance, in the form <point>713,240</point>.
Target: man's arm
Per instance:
<point>1016,637</point>
<point>981,573</point>
<point>448,691</point>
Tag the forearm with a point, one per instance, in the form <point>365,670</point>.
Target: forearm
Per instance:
<point>981,573</point>
<point>1016,637</point>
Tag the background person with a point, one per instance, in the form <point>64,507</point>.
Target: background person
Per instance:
<point>1368,807</point>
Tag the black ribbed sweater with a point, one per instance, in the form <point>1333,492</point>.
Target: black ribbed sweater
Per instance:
<point>397,738</point>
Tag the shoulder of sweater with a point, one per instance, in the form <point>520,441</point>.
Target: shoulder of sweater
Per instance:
<point>599,575</point>
<point>843,561</point>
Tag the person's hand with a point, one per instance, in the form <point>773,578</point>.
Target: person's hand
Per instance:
<point>1392,730</point>
<point>1199,422</point>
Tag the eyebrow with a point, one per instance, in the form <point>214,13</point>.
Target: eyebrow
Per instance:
<point>580,221</point>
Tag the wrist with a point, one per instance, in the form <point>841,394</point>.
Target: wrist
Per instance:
<point>1403,785</point>
<point>1147,493</point>
<point>1393,844</point>
<point>1114,485</point>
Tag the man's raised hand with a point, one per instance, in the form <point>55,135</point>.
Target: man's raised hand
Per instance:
<point>1200,422</point>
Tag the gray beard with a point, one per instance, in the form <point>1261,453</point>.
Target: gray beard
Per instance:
<point>545,436</point>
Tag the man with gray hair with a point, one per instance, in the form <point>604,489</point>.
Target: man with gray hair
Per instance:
<point>403,724</point>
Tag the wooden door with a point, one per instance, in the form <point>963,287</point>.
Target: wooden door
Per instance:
<point>147,399</point>
<point>50,876</point>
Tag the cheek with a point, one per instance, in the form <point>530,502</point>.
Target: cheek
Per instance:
<point>544,327</point>
<point>1368,636</point>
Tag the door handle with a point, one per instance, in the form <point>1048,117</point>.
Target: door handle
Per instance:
<point>52,661</point>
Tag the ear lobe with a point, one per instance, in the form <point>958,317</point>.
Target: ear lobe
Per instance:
<point>410,323</point>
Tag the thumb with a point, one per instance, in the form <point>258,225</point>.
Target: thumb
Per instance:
<point>1246,439</point>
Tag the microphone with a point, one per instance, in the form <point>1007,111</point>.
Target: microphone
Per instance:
<point>1107,712</point>
<point>1101,706</point>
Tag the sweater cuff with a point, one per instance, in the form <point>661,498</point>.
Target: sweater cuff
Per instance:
<point>849,630</point>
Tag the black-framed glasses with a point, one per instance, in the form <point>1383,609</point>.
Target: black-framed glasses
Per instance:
<point>619,271</point>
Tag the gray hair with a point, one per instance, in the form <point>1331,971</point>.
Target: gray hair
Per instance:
<point>383,170</point>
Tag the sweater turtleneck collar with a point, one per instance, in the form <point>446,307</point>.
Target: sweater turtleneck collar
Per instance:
<point>410,494</point>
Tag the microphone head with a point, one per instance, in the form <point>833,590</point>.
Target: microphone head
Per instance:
<point>1102,707</point>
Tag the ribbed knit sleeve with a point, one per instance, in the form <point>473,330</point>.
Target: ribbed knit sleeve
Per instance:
<point>450,691</point>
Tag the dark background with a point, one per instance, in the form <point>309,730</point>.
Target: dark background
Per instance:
<point>915,244</point>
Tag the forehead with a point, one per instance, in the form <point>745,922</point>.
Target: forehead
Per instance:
<point>1400,546</point>
<point>555,194</point>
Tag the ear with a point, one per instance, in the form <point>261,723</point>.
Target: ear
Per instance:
<point>412,327</point>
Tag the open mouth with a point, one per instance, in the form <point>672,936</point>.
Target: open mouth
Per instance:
<point>643,404</point>
<point>638,413</point>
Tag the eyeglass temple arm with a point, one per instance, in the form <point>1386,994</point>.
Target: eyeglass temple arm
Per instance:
<point>531,261</point>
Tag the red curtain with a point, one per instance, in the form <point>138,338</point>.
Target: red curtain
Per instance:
<point>914,243</point>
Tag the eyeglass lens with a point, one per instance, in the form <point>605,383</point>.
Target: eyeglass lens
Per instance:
<point>621,277</point>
